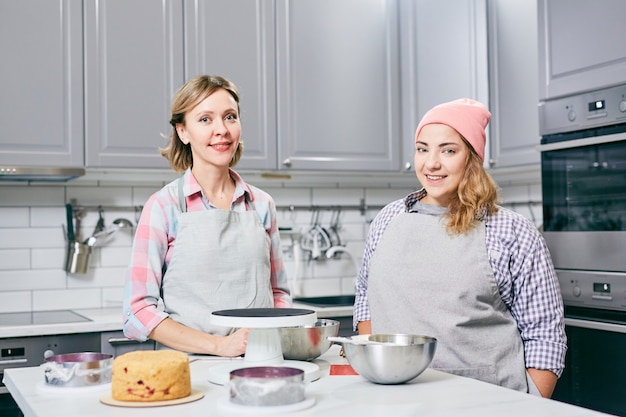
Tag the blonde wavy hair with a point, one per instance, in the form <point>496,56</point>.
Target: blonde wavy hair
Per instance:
<point>477,196</point>
<point>188,96</point>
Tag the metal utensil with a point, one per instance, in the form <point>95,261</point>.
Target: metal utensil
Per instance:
<point>121,222</point>
<point>99,237</point>
<point>69,214</point>
<point>100,226</point>
<point>78,215</point>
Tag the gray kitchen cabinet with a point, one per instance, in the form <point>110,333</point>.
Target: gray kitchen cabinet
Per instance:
<point>115,343</point>
<point>338,84</point>
<point>444,57</point>
<point>514,126</point>
<point>581,46</point>
<point>41,88</point>
<point>247,58</point>
<point>133,66</point>
<point>319,79</point>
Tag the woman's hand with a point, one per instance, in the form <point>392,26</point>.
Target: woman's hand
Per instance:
<point>180,337</point>
<point>234,344</point>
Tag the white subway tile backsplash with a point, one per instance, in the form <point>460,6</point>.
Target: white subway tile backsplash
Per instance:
<point>515,193</point>
<point>40,237</point>
<point>66,299</point>
<point>338,196</point>
<point>14,217</point>
<point>112,297</point>
<point>47,216</point>
<point>94,196</point>
<point>384,196</point>
<point>13,301</point>
<point>32,244</point>
<point>98,278</point>
<point>29,279</point>
<point>284,197</point>
<point>141,194</point>
<point>115,256</point>
<point>11,259</point>
<point>24,196</point>
<point>48,258</point>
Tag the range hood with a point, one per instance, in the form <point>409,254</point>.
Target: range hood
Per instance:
<point>41,174</point>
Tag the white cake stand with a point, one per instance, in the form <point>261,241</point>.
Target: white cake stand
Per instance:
<point>263,348</point>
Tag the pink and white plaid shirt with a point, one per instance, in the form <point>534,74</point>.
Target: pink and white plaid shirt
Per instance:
<point>155,238</point>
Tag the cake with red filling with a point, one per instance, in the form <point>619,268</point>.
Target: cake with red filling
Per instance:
<point>150,375</point>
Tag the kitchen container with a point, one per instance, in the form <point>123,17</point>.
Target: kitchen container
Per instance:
<point>77,257</point>
<point>267,386</point>
<point>391,358</point>
<point>305,343</point>
<point>78,369</point>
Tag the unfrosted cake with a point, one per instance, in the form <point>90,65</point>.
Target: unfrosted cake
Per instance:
<point>151,375</point>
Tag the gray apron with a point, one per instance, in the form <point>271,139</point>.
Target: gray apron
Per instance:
<point>424,281</point>
<point>220,261</point>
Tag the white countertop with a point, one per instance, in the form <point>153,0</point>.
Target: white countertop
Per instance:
<point>110,319</point>
<point>431,394</point>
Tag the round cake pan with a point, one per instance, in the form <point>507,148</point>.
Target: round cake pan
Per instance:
<point>267,386</point>
<point>78,369</point>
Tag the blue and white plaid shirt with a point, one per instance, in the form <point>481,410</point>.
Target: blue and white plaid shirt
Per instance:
<point>524,273</point>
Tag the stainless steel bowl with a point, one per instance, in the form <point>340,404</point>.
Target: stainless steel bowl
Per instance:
<point>393,359</point>
<point>305,343</point>
<point>78,369</point>
<point>267,385</point>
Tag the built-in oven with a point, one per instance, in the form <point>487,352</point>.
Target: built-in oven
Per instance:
<point>583,168</point>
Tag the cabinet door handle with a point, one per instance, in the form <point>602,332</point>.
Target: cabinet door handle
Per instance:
<point>122,341</point>
<point>287,162</point>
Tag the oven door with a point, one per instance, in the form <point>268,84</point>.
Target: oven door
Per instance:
<point>595,366</point>
<point>584,199</point>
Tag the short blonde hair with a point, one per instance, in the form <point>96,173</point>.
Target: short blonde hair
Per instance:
<point>187,97</point>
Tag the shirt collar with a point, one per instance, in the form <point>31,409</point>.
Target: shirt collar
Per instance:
<point>411,199</point>
<point>412,204</point>
<point>191,186</point>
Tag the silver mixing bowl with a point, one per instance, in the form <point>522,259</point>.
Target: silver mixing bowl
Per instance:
<point>305,343</point>
<point>398,359</point>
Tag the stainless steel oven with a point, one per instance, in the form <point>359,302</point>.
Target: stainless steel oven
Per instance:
<point>583,168</point>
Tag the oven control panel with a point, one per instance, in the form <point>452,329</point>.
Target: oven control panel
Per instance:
<point>583,111</point>
<point>593,289</point>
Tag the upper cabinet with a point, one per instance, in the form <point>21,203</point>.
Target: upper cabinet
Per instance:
<point>238,43</point>
<point>581,46</point>
<point>41,87</point>
<point>338,84</point>
<point>319,79</point>
<point>133,66</point>
<point>444,57</point>
<point>514,126</point>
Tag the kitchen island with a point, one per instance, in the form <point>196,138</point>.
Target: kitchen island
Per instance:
<point>433,393</point>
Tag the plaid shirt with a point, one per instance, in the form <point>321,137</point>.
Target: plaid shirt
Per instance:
<point>524,273</point>
<point>155,239</point>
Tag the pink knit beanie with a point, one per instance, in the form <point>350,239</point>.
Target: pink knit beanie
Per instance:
<point>466,116</point>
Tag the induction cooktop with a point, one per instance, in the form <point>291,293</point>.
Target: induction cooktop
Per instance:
<point>41,317</point>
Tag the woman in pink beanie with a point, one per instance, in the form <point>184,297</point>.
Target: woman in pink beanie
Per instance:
<point>447,261</point>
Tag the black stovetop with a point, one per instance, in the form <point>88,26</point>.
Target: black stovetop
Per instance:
<point>40,317</point>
